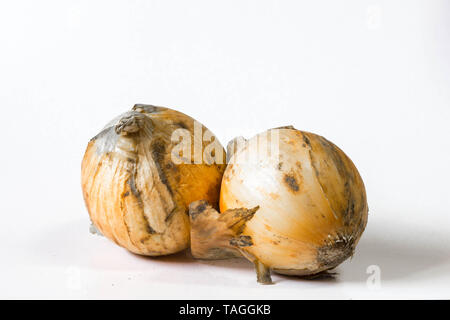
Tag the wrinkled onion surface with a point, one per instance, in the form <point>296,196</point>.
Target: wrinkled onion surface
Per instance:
<point>135,194</point>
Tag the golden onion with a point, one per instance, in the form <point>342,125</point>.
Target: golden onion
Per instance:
<point>299,209</point>
<point>138,180</point>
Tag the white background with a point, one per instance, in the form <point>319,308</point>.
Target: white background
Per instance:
<point>371,76</point>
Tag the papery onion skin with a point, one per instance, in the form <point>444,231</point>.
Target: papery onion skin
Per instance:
<point>135,194</point>
<point>312,204</point>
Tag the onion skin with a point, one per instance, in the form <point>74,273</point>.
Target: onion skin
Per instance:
<point>135,194</point>
<point>312,206</point>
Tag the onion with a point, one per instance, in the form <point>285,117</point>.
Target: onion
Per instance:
<point>298,210</point>
<point>137,186</point>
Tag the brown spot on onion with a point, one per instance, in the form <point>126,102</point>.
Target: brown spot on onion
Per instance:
<point>291,182</point>
<point>274,195</point>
